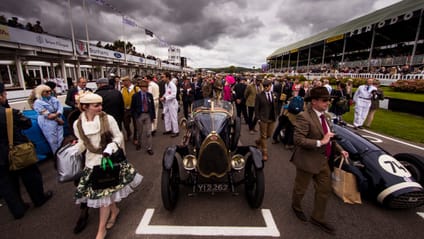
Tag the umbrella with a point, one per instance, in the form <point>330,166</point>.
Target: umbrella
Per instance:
<point>230,79</point>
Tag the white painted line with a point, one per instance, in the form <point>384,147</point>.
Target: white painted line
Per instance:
<point>421,214</point>
<point>389,138</point>
<point>373,139</point>
<point>394,140</point>
<point>270,229</point>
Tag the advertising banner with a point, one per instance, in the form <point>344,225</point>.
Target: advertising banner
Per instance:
<point>97,51</point>
<point>4,33</point>
<point>35,39</point>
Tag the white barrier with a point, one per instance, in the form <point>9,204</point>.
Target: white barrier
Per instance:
<point>385,79</point>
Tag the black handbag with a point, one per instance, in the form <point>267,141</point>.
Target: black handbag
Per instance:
<point>105,175</point>
<point>118,156</point>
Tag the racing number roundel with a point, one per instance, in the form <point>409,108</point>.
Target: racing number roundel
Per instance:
<point>392,166</point>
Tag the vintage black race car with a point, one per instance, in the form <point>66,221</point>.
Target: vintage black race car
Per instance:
<point>209,159</point>
<point>394,181</point>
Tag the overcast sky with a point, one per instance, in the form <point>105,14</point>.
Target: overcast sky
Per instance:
<point>210,33</point>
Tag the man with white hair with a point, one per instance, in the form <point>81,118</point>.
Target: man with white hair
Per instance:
<point>362,99</point>
<point>326,84</point>
<point>170,106</point>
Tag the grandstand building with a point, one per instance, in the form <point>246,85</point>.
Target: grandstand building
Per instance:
<point>28,58</point>
<point>386,41</point>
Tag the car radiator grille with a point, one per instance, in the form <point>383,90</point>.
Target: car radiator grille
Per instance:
<point>407,200</point>
<point>213,160</point>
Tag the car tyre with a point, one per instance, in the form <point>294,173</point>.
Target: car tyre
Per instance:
<point>254,184</point>
<point>170,186</point>
<point>236,133</point>
<point>414,163</point>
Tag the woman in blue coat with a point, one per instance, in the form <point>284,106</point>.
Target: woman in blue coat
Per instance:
<point>49,111</point>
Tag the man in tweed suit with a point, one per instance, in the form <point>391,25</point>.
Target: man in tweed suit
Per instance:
<point>312,138</point>
<point>266,113</point>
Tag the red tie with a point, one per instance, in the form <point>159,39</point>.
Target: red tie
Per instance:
<point>145,107</point>
<point>325,129</point>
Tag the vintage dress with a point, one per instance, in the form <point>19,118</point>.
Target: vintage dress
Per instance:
<point>50,128</point>
<point>129,177</point>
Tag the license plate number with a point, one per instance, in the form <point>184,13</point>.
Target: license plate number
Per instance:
<point>212,187</point>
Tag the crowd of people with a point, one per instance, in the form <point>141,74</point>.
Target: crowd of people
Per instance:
<point>327,69</point>
<point>13,22</point>
<point>279,108</point>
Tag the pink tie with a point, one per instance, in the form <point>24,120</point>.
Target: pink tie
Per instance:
<point>145,107</point>
<point>325,129</point>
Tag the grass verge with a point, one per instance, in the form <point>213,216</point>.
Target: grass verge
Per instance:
<point>389,92</point>
<point>400,125</point>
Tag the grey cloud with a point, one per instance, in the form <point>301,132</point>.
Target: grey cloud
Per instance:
<point>320,15</point>
<point>207,24</point>
<point>181,22</point>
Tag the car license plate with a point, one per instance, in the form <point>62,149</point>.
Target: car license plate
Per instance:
<point>212,187</point>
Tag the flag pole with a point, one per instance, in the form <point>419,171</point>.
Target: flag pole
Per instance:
<point>86,28</point>
<point>123,38</point>
<point>72,28</point>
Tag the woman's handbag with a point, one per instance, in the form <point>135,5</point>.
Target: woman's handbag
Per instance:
<point>344,185</point>
<point>69,163</point>
<point>21,155</point>
<point>105,175</point>
<point>118,156</point>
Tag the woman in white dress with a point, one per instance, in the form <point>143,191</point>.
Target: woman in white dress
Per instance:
<point>99,134</point>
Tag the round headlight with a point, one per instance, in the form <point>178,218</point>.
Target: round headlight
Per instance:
<point>189,162</point>
<point>238,162</point>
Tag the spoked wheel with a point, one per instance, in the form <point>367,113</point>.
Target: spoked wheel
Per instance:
<point>170,186</point>
<point>254,185</point>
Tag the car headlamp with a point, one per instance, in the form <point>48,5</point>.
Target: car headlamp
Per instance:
<point>238,162</point>
<point>189,162</point>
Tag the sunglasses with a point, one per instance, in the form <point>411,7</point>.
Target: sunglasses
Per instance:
<point>47,91</point>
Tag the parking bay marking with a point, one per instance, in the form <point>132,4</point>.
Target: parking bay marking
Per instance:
<point>421,214</point>
<point>270,229</point>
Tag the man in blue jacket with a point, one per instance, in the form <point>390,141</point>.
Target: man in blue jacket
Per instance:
<point>143,110</point>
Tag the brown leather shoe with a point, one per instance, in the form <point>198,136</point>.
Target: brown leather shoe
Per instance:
<point>150,151</point>
<point>138,147</point>
<point>299,214</point>
<point>323,226</point>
